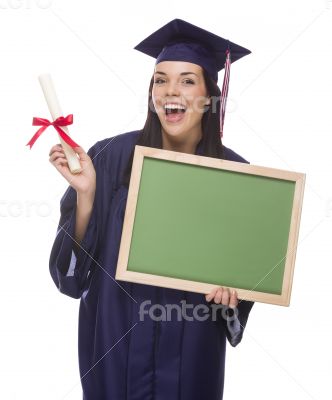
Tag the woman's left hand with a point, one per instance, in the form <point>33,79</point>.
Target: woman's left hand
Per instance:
<point>223,296</point>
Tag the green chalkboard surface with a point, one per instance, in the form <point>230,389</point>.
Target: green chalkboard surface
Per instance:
<point>211,225</point>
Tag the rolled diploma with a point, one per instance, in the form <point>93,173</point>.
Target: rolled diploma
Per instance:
<point>46,84</point>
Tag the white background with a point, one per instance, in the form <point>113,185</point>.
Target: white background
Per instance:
<point>279,115</point>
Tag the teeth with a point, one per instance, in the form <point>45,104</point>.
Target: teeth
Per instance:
<point>174,107</point>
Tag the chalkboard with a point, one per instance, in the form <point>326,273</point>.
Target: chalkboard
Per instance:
<point>194,223</point>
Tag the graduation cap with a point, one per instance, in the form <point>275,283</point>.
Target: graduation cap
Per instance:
<point>181,41</point>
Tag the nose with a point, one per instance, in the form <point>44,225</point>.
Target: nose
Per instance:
<point>172,89</point>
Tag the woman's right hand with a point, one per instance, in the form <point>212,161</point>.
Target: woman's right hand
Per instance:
<point>83,182</point>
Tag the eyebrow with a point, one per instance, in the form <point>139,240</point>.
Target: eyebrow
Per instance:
<point>182,73</point>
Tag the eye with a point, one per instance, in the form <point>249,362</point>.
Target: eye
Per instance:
<point>188,81</point>
<point>159,81</point>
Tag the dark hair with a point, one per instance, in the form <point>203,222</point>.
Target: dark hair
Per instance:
<point>150,135</point>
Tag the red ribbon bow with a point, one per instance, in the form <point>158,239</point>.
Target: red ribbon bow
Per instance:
<point>45,123</point>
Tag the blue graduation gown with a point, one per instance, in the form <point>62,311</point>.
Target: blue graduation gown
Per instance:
<point>120,356</point>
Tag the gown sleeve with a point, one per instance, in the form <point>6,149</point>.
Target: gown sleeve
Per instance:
<point>71,265</point>
<point>235,321</point>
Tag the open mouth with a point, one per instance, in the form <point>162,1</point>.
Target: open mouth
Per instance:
<point>174,109</point>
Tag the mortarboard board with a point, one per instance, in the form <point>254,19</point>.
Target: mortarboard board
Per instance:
<point>181,41</point>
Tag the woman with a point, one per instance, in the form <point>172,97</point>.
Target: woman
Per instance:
<point>121,354</point>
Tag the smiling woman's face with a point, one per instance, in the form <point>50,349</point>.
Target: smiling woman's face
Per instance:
<point>179,95</point>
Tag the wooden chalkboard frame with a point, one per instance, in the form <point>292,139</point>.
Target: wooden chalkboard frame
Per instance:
<point>122,272</point>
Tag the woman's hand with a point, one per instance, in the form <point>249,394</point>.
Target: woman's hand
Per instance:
<point>85,181</point>
<point>223,296</point>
